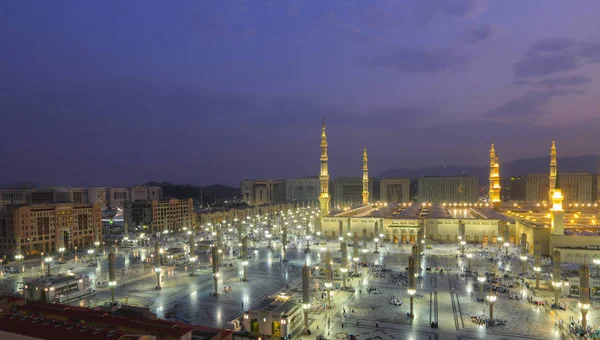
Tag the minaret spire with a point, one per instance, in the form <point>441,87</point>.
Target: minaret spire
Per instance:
<point>553,169</point>
<point>324,175</point>
<point>365,180</point>
<point>557,214</point>
<point>494,179</point>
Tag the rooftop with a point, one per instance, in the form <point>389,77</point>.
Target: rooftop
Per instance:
<point>489,213</point>
<point>283,306</point>
<point>50,329</point>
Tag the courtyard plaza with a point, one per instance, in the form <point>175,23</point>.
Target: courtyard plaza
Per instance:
<point>447,297</point>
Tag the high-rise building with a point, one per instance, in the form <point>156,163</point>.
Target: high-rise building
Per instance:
<point>450,189</point>
<point>494,179</point>
<point>158,215</point>
<point>514,189</point>
<point>349,190</point>
<point>258,192</point>
<point>33,229</point>
<point>395,190</point>
<point>15,196</point>
<point>365,179</point>
<point>145,193</point>
<point>324,198</point>
<point>302,190</point>
<point>537,187</point>
<point>576,187</point>
<point>98,195</point>
<point>137,214</point>
<point>117,196</point>
<point>596,188</point>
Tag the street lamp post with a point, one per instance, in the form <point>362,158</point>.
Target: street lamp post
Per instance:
<point>506,245</point>
<point>244,266</point>
<point>19,258</point>
<point>90,253</point>
<point>193,266</point>
<point>412,282</point>
<point>48,261</point>
<point>328,287</point>
<point>61,250</point>
<point>469,257</point>
<point>499,241</point>
<point>411,294</point>
<point>523,263</point>
<point>157,270</point>
<point>491,299</point>
<point>537,271</point>
<point>481,280</point>
<point>376,247</point>
<point>344,271</point>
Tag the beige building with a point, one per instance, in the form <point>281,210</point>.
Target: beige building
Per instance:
<point>395,190</point>
<point>302,190</point>
<point>31,230</point>
<point>117,196</point>
<point>98,195</point>
<point>172,215</point>
<point>259,192</point>
<point>441,189</point>
<point>576,187</point>
<point>537,187</point>
<point>145,193</point>
<point>348,190</point>
<point>15,196</point>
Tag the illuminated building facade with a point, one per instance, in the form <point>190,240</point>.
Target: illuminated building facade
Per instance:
<point>440,189</point>
<point>32,230</point>
<point>259,192</point>
<point>395,190</point>
<point>302,190</point>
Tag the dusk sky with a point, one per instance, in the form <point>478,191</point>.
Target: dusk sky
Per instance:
<point>123,92</point>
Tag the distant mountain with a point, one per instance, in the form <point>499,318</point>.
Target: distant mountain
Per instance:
<point>587,163</point>
<point>21,185</point>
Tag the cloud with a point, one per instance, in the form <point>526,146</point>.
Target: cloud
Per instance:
<point>557,81</point>
<point>479,34</point>
<point>529,106</point>
<point>418,60</point>
<point>550,56</point>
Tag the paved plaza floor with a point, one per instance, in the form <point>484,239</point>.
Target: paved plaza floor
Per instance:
<point>445,298</point>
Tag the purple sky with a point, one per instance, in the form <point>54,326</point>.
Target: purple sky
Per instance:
<point>118,93</point>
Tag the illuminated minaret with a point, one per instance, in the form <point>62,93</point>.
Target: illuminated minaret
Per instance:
<point>324,177</point>
<point>494,179</point>
<point>557,214</point>
<point>552,169</point>
<point>365,192</point>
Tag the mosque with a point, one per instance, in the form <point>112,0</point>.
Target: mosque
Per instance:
<point>572,231</point>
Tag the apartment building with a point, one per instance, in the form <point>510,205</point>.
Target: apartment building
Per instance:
<point>36,229</point>
<point>395,190</point>
<point>302,190</point>
<point>440,189</point>
<point>259,192</point>
<point>159,215</point>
